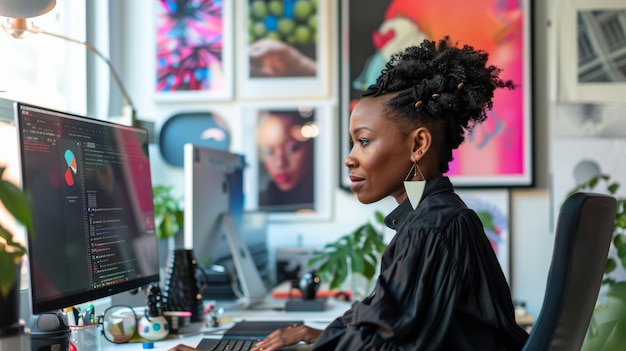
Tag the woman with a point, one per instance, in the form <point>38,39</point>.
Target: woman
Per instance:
<point>287,155</point>
<point>440,285</point>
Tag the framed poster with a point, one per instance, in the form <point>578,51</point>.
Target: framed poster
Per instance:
<point>591,46</point>
<point>194,50</point>
<point>284,50</point>
<point>492,207</point>
<point>499,152</point>
<point>288,153</point>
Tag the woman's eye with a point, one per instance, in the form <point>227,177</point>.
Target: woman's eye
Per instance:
<point>363,141</point>
<point>293,148</point>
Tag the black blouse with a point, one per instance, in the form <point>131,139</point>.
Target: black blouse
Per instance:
<point>440,287</point>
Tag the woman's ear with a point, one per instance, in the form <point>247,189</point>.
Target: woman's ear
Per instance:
<point>422,141</point>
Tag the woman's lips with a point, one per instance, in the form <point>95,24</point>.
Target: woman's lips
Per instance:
<point>282,178</point>
<point>357,183</point>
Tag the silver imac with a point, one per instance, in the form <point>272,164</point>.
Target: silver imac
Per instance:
<point>214,202</point>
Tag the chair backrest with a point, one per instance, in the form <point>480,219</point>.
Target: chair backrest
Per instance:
<point>583,236</point>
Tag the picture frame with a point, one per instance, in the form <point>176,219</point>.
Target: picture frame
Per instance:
<point>587,68</point>
<point>194,51</point>
<point>580,159</point>
<point>499,151</point>
<point>290,201</point>
<point>493,208</point>
<point>271,63</point>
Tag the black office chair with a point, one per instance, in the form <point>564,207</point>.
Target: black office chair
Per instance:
<point>582,240</point>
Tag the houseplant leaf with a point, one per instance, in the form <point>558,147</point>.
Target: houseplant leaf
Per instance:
<point>11,251</point>
<point>357,252</point>
<point>15,202</point>
<point>169,215</point>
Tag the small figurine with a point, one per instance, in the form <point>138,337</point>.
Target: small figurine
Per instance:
<point>211,316</point>
<point>153,326</point>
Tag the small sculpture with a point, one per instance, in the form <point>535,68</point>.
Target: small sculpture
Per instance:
<point>153,326</point>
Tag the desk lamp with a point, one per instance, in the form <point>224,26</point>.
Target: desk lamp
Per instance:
<point>16,25</point>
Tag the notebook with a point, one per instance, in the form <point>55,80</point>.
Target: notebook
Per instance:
<point>250,331</point>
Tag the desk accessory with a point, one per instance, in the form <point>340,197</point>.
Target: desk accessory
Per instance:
<point>183,291</point>
<point>308,285</point>
<point>153,326</point>
<point>49,331</point>
<point>85,338</point>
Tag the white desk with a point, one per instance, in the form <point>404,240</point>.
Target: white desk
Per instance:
<point>272,309</point>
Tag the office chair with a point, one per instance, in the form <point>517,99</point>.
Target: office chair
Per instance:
<point>583,235</point>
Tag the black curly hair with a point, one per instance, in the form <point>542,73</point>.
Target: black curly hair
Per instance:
<point>442,86</point>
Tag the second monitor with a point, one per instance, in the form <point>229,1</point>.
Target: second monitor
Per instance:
<point>214,212</point>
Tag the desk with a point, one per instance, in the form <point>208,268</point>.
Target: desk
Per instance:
<point>271,309</point>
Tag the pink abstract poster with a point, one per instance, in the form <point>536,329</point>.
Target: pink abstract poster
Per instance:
<point>193,49</point>
<point>498,153</point>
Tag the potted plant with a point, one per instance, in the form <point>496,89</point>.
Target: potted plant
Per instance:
<point>168,218</point>
<point>11,252</point>
<point>168,212</point>
<point>607,329</point>
<point>357,253</point>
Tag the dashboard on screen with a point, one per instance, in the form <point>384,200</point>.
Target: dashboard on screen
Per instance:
<point>90,185</point>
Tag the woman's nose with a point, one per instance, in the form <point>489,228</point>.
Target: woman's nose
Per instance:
<point>349,161</point>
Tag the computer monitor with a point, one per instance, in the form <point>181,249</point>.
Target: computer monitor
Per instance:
<point>90,185</point>
<point>214,202</point>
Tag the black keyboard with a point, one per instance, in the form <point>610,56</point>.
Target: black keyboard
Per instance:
<point>233,345</point>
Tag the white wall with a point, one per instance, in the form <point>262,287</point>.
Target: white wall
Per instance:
<point>530,208</point>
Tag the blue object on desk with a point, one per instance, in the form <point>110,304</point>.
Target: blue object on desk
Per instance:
<point>147,345</point>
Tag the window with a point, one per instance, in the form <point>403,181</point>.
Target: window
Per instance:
<point>45,71</point>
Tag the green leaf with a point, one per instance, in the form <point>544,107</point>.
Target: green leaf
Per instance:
<point>619,240</point>
<point>314,259</point>
<point>610,265</point>
<point>369,268</point>
<point>357,252</point>
<point>8,267</point>
<point>612,188</point>
<point>169,215</point>
<point>341,273</point>
<point>16,203</point>
<point>357,262</point>
<point>620,220</point>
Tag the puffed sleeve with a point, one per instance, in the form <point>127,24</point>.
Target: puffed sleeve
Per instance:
<point>415,296</point>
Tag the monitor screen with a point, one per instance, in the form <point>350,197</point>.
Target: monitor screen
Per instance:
<point>90,185</point>
<point>214,218</point>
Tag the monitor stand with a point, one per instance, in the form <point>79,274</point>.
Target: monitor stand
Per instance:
<point>252,289</point>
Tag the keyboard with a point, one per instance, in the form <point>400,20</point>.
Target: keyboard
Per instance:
<point>244,335</point>
<point>233,345</point>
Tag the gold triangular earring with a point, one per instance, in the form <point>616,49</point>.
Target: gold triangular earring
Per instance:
<point>414,189</point>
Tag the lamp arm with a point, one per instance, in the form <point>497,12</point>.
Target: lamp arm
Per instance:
<point>91,48</point>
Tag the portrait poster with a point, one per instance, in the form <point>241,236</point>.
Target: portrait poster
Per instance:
<point>492,207</point>
<point>194,50</point>
<point>283,49</point>
<point>498,152</point>
<point>288,151</point>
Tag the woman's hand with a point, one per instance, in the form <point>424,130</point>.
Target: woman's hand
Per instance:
<point>286,336</point>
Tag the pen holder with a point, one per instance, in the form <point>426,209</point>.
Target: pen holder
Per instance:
<point>85,338</point>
